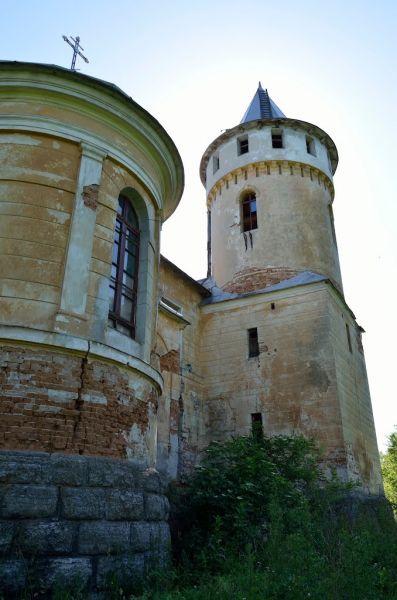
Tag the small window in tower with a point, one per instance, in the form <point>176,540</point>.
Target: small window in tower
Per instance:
<point>215,163</point>
<point>249,212</point>
<point>242,145</point>
<point>277,138</point>
<point>257,426</point>
<point>332,222</point>
<point>253,344</point>
<point>349,341</point>
<point>310,147</point>
<point>329,161</point>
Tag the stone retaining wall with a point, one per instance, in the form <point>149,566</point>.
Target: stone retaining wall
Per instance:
<point>75,518</point>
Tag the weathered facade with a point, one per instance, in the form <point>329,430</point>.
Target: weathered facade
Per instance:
<point>114,361</point>
<point>73,386</point>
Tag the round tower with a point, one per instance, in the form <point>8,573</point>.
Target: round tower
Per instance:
<point>269,195</point>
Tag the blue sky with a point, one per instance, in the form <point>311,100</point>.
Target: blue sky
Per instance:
<point>195,66</point>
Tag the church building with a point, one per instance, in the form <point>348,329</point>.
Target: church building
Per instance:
<point>110,354</point>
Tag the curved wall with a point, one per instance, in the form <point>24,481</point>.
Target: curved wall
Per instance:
<point>69,145</point>
<point>294,194</point>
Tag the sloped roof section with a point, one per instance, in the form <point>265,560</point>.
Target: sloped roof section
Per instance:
<point>262,107</point>
<point>218,295</point>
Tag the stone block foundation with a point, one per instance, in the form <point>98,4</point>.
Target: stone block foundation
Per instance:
<point>66,519</point>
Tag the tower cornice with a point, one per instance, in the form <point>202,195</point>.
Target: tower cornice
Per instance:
<point>268,168</point>
<point>241,128</point>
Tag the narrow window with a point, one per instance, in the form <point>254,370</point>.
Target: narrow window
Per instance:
<point>253,344</point>
<point>124,275</point>
<point>272,306</point>
<point>331,218</point>
<point>257,426</point>
<point>215,163</point>
<point>277,138</point>
<point>310,147</point>
<point>329,161</point>
<point>349,341</point>
<point>249,212</point>
<point>242,145</point>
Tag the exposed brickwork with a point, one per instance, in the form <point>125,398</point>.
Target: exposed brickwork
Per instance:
<point>252,279</point>
<point>170,361</point>
<point>90,196</point>
<point>59,402</point>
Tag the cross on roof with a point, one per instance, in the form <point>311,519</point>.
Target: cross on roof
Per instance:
<point>76,50</point>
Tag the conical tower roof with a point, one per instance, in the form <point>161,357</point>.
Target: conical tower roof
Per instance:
<point>262,107</point>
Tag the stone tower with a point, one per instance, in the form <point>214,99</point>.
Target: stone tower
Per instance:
<point>280,344</point>
<point>270,194</point>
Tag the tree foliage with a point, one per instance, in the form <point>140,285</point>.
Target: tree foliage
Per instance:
<point>258,520</point>
<point>232,497</point>
<point>389,470</point>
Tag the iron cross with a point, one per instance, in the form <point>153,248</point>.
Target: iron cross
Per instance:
<point>76,50</point>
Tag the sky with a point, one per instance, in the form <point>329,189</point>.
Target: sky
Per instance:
<point>195,67</point>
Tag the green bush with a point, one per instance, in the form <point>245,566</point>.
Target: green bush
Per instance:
<point>258,520</point>
<point>229,497</point>
<point>389,470</point>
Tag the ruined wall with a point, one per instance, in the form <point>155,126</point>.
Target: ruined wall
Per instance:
<point>292,382</point>
<point>59,402</point>
<point>304,378</point>
<point>180,426</point>
<point>76,520</point>
<point>69,382</point>
<point>354,397</point>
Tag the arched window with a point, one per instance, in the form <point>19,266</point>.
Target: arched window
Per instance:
<point>249,212</point>
<point>124,276</point>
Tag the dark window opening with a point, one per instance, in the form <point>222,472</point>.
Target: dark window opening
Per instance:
<point>349,341</point>
<point>310,147</point>
<point>329,161</point>
<point>257,426</point>
<point>331,218</point>
<point>123,285</point>
<point>272,306</point>
<point>253,344</point>
<point>277,138</point>
<point>242,145</point>
<point>215,164</point>
<point>249,212</point>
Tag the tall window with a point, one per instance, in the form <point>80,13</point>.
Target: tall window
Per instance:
<point>124,276</point>
<point>277,138</point>
<point>310,147</point>
<point>242,145</point>
<point>249,212</point>
<point>253,343</point>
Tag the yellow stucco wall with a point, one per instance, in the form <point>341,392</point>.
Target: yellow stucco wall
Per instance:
<point>294,227</point>
<point>38,178</point>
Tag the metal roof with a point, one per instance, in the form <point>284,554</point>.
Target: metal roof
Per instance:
<point>218,295</point>
<point>262,107</point>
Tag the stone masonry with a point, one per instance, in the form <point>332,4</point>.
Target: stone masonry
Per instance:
<point>66,519</point>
